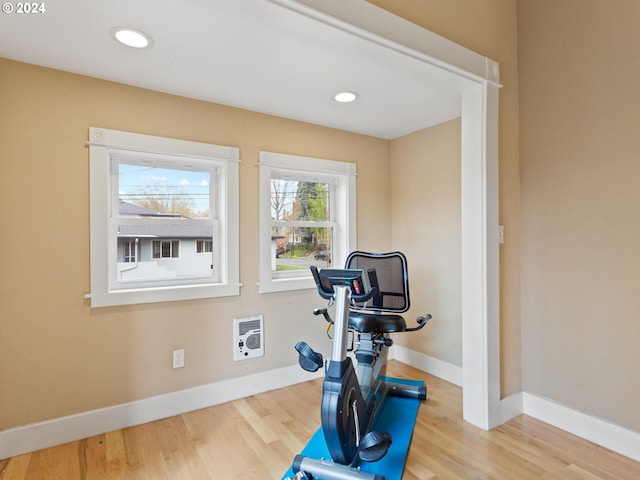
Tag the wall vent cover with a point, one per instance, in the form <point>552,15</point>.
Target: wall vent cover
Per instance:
<point>248,337</point>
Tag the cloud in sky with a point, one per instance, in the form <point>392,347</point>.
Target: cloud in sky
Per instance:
<point>186,183</point>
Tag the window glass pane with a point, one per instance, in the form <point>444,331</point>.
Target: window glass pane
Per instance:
<point>299,200</point>
<point>145,190</point>
<point>164,251</point>
<point>299,248</point>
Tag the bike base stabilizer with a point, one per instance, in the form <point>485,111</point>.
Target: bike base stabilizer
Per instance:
<point>328,470</point>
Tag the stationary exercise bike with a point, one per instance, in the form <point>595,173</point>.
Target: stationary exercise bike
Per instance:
<point>368,295</point>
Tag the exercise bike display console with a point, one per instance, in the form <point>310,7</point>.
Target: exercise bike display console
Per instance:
<point>368,296</point>
<point>354,278</point>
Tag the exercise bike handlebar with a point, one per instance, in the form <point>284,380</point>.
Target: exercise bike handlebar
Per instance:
<point>365,296</point>
<point>324,312</point>
<point>422,321</point>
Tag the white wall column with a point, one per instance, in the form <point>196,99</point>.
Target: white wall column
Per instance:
<point>480,257</point>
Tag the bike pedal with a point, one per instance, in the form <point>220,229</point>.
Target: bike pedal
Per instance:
<point>308,359</point>
<point>374,446</point>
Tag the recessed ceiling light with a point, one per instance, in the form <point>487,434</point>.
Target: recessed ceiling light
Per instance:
<point>131,37</point>
<point>346,97</point>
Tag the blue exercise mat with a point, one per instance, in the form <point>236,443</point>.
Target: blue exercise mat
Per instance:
<point>398,418</point>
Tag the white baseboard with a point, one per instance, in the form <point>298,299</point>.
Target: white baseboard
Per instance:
<point>444,370</point>
<point>36,436</point>
<point>606,434</point>
<point>511,407</point>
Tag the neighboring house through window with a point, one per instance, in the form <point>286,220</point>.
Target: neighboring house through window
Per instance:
<point>307,217</point>
<point>151,198</point>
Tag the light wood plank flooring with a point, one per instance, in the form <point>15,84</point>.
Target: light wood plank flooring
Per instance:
<point>257,438</point>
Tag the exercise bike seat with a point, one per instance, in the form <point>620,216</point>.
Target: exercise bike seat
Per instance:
<point>365,322</point>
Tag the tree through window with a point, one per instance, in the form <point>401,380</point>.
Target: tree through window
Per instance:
<point>305,207</point>
<point>302,225</point>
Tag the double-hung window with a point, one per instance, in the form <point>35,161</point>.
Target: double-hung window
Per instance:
<point>307,217</point>
<point>164,219</point>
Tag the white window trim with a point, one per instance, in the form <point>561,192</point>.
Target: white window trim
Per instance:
<point>101,141</point>
<point>345,213</point>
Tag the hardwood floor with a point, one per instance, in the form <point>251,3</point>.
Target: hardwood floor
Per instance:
<point>257,438</point>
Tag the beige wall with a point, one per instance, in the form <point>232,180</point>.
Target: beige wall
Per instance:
<point>488,27</point>
<point>57,355</point>
<point>426,221</point>
<point>580,148</point>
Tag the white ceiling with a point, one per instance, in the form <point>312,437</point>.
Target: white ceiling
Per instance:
<point>252,54</point>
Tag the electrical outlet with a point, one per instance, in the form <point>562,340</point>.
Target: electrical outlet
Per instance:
<point>178,358</point>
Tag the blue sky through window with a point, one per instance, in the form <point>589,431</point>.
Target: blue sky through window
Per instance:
<point>141,182</point>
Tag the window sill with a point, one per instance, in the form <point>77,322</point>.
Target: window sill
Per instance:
<point>286,285</point>
<point>161,294</point>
